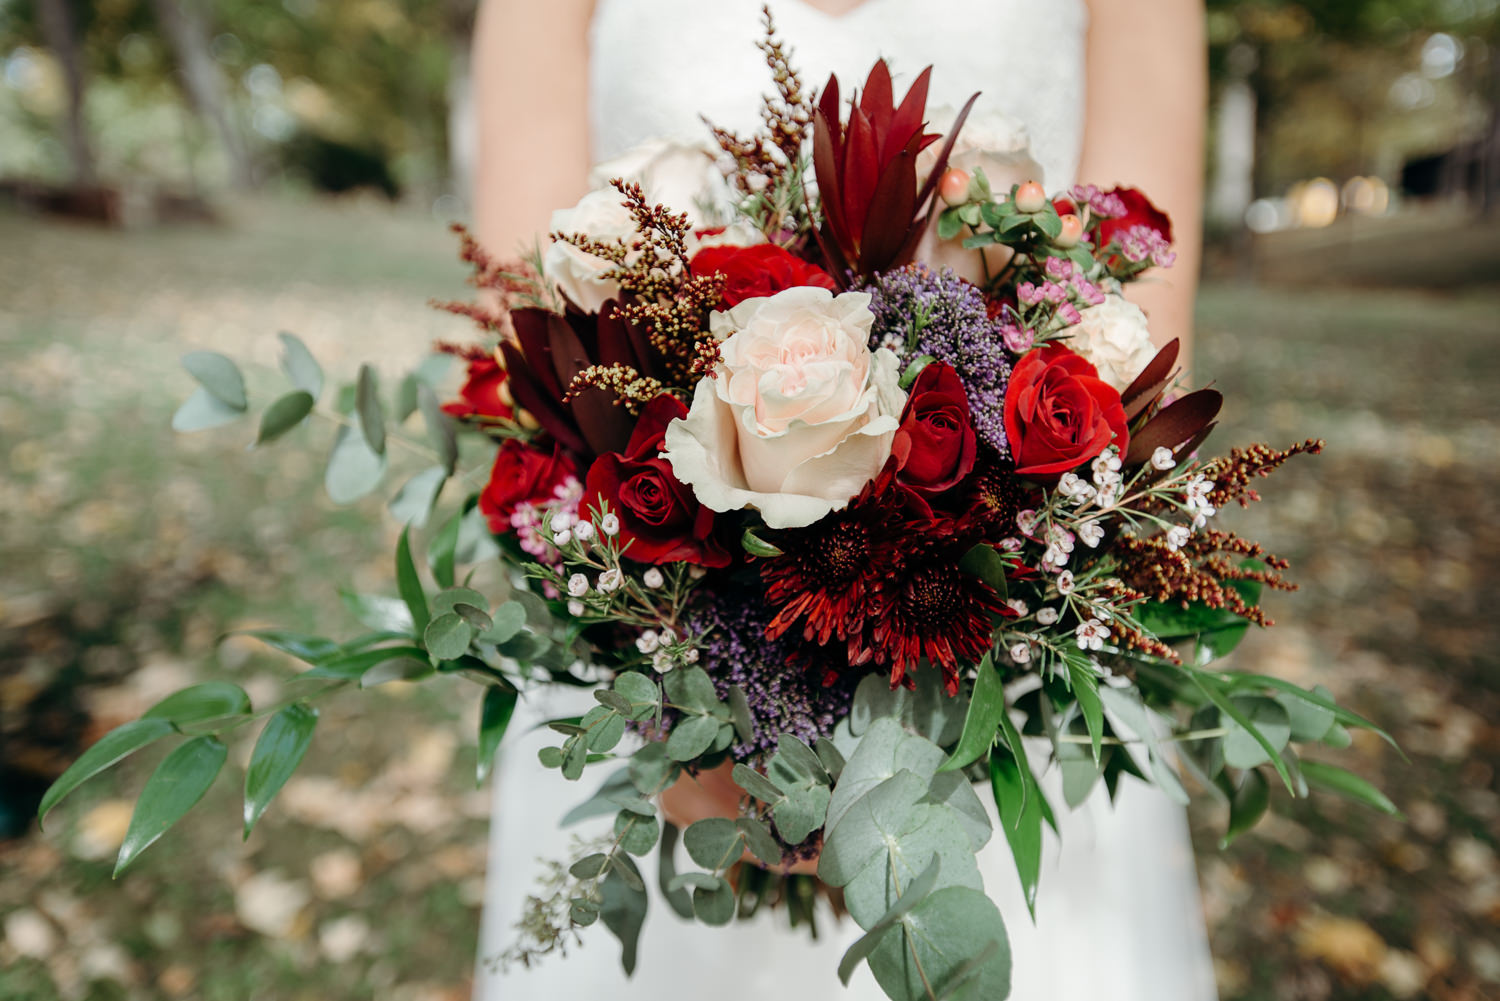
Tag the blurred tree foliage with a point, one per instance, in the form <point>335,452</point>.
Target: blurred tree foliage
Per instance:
<point>370,74</point>
<point>1342,87</point>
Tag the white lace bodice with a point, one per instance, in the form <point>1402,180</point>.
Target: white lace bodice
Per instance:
<point>657,65</point>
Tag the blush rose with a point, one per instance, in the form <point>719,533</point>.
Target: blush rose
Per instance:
<point>799,414</point>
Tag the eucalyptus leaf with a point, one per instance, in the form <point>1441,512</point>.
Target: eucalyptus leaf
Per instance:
<point>928,710</point>
<point>885,749</point>
<point>739,713</point>
<point>757,785</point>
<point>691,689</point>
<point>640,691</point>
<point>377,611</point>
<point>278,752</point>
<point>448,600</point>
<point>802,812</point>
<point>637,834</point>
<point>713,843</point>
<point>300,366</point>
<point>202,411</point>
<point>1247,805</point>
<point>623,909</point>
<point>448,636</point>
<point>583,911</point>
<point>353,468</point>
<point>759,840</point>
<point>442,551</point>
<point>109,750</point>
<point>714,907</point>
<point>177,784</point>
<point>1267,717</point>
<point>934,943</point>
<point>666,875</point>
<point>691,736</point>
<point>441,430</point>
<point>413,503</point>
<point>284,413</point>
<point>219,375</point>
<point>606,732</point>
<point>371,413</point>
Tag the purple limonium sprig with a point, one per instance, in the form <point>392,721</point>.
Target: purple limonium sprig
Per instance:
<point>919,311</point>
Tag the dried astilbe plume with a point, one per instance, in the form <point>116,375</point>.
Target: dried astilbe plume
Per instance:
<point>660,293</point>
<point>511,284</point>
<point>766,161</point>
<point>1233,472</point>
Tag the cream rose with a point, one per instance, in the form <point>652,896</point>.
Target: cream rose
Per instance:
<point>1114,338</point>
<point>999,145</point>
<point>603,216</point>
<point>800,414</point>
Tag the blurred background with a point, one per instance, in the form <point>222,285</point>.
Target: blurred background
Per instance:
<point>181,174</point>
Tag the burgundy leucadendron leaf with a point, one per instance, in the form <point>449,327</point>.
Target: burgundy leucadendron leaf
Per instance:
<point>1174,424</point>
<point>1149,385</point>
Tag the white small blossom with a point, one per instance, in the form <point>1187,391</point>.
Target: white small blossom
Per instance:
<point>1065,582</point>
<point>1201,518</point>
<point>1060,538</point>
<point>668,637</point>
<point>610,580</point>
<point>1162,458</point>
<point>1075,488</point>
<point>1021,653</point>
<point>662,661</point>
<point>562,538</point>
<point>690,655</point>
<point>575,607</point>
<point>1108,497</point>
<point>1054,557</point>
<point>697,572</point>
<point>1091,635</point>
<point>648,642</point>
<point>1018,606</point>
<point>562,521</point>
<point>653,578</point>
<point>578,585</point>
<point>610,524</point>
<point>1010,544</point>
<point>583,531</point>
<point>1047,616</point>
<point>1177,537</point>
<point>1092,533</point>
<point>1107,461</point>
<point>1026,521</point>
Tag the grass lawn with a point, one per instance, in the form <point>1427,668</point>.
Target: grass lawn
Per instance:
<point>127,551</point>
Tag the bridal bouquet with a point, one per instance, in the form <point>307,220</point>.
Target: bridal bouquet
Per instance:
<point>856,486</point>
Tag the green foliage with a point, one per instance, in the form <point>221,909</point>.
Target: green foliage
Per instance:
<point>211,700</point>
<point>110,750</point>
<point>172,790</point>
<point>986,706</point>
<point>278,752</point>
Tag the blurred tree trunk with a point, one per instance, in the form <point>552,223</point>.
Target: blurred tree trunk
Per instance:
<point>62,39</point>
<point>200,78</point>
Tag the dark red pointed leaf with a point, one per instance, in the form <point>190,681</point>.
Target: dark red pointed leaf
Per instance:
<point>1174,424</point>
<point>599,420</point>
<point>927,196</point>
<point>830,184</point>
<point>879,98</point>
<point>1154,378</point>
<point>861,174</point>
<point>890,214</point>
<point>1185,450</point>
<point>907,120</point>
<point>532,333</point>
<point>538,401</point>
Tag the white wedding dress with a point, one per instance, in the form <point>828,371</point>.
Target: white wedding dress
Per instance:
<point>1118,913</point>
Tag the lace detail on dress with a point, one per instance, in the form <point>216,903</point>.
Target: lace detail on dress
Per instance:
<point>657,65</point>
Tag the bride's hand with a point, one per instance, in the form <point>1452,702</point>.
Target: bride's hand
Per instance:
<point>715,794</point>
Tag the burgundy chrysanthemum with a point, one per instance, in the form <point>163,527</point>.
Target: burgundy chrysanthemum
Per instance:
<point>993,496</point>
<point>881,578</point>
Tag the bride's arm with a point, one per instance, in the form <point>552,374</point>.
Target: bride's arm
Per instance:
<point>1144,121</point>
<point>531,81</point>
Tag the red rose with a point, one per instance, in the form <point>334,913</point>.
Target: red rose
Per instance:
<point>763,269</point>
<point>1059,413</point>
<point>659,516</point>
<point>521,474</point>
<point>935,444</point>
<point>483,393</point>
<point>1138,212</point>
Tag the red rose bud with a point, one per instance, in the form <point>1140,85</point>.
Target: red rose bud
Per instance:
<point>761,270</point>
<point>935,445</point>
<point>1072,231</point>
<point>660,518</point>
<point>953,189</point>
<point>1059,414</point>
<point>484,392</point>
<point>1031,197</point>
<point>522,474</point>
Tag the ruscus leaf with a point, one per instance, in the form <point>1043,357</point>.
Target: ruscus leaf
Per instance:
<point>277,754</point>
<point>177,784</point>
<point>109,750</point>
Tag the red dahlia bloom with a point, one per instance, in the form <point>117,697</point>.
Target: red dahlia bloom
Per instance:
<point>761,270</point>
